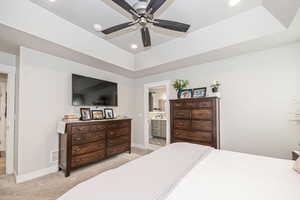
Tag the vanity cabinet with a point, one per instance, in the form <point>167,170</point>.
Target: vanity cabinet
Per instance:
<point>158,128</point>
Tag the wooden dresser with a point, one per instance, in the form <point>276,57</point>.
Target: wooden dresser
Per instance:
<point>195,120</point>
<point>88,142</point>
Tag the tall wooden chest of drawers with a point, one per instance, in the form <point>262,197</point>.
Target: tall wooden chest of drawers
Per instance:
<point>195,120</point>
<point>88,142</point>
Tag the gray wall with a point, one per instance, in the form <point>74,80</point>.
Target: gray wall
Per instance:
<point>44,97</point>
<point>258,96</point>
<point>7,59</point>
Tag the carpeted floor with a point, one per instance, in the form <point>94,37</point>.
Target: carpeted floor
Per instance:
<point>52,186</point>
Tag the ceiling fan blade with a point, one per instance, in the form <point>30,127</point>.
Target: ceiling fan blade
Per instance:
<point>154,5</point>
<point>117,27</point>
<point>146,37</point>
<point>123,4</point>
<point>175,26</point>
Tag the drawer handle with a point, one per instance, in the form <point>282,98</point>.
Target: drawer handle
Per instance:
<point>77,161</point>
<point>78,139</point>
<point>76,150</point>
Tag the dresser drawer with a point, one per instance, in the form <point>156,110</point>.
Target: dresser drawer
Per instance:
<point>101,127</point>
<point>88,158</point>
<point>199,136</point>
<point>193,104</point>
<point>117,149</point>
<point>202,125</point>
<point>117,141</point>
<point>86,148</point>
<point>80,138</point>
<point>118,124</point>
<point>203,104</point>
<point>182,114</point>
<point>202,114</point>
<point>182,124</point>
<point>80,129</point>
<point>113,133</point>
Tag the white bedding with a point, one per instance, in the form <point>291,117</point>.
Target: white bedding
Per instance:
<point>184,171</point>
<point>147,178</point>
<point>225,175</point>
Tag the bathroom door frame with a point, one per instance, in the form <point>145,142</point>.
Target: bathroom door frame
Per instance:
<point>10,119</point>
<point>167,85</point>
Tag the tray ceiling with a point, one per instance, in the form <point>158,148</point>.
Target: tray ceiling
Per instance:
<point>199,14</point>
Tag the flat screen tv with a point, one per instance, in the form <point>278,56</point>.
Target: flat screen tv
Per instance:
<point>93,92</point>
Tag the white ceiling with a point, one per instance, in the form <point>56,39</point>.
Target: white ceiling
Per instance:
<point>199,14</point>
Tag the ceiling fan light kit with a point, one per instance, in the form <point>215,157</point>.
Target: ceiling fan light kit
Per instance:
<point>143,14</point>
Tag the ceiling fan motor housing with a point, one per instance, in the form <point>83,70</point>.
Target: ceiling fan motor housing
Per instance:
<point>140,7</point>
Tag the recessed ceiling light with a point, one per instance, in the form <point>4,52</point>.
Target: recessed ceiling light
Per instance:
<point>134,46</point>
<point>97,27</point>
<point>234,2</point>
<point>52,0</point>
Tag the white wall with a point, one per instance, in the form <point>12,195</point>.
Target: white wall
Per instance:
<point>258,93</point>
<point>44,97</point>
<point>7,59</point>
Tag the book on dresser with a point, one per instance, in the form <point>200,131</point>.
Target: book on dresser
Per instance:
<point>195,120</point>
<point>91,141</point>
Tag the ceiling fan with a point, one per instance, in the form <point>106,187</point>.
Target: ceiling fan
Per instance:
<point>143,14</point>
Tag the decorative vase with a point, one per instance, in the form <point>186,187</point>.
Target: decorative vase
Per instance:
<point>215,90</point>
<point>178,94</point>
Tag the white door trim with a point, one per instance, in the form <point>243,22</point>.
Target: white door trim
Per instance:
<point>167,84</point>
<point>11,72</point>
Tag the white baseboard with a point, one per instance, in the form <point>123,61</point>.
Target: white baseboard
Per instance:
<point>141,146</point>
<point>36,174</point>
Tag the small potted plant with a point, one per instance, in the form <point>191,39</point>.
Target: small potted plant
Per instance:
<point>179,85</point>
<point>215,86</point>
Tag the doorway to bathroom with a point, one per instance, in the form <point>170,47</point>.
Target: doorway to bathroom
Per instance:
<point>157,126</point>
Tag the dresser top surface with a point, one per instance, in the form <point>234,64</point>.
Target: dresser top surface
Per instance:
<point>95,121</point>
<point>194,99</point>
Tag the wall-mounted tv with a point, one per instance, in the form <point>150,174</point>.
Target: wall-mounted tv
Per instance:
<point>93,92</point>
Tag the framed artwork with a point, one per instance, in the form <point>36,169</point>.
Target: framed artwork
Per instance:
<point>185,94</point>
<point>109,113</point>
<point>199,92</point>
<point>97,114</point>
<point>85,114</point>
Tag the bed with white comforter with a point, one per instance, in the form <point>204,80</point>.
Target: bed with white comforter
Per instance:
<point>184,171</point>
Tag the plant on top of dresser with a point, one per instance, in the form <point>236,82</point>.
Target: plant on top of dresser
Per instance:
<point>215,86</point>
<point>179,85</point>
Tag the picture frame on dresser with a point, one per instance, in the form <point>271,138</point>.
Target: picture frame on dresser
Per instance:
<point>97,114</point>
<point>85,114</point>
<point>199,92</point>
<point>109,113</point>
<point>185,93</point>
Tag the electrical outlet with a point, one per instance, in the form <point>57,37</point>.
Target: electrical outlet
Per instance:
<point>54,156</point>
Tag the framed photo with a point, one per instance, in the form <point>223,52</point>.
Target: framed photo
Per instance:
<point>85,114</point>
<point>199,92</point>
<point>109,113</point>
<point>185,94</point>
<point>97,114</point>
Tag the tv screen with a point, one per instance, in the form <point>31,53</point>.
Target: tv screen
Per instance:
<point>93,92</point>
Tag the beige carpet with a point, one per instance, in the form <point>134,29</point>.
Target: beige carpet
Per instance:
<point>52,186</point>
